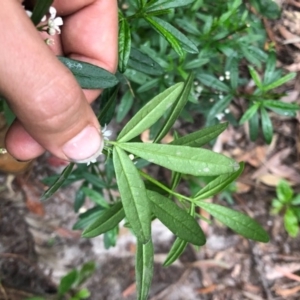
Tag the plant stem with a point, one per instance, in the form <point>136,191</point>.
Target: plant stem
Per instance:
<point>151,179</point>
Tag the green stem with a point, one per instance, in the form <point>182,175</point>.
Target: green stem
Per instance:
<point>154,181</point>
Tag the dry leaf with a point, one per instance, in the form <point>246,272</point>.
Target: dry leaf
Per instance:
<point>269,179</point>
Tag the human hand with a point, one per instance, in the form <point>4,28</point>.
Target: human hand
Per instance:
<point>53,112</point>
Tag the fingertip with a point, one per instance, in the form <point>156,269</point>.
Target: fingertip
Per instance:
<point>20,144</point>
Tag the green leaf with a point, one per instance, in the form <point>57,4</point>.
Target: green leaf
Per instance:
<point>212,82</point>
<point>108,105</point>
<point>124,44</point>
<point>125,106</point>
<point>218,184</point>
<point>82,294</point>
<point>67,282</point>
<point>284,191</point>
<point>87,218</point>
<point>110,237</point>
<point>267,8</point>
<point>176,39</point>
<point>79,200</point>
<point>95,197</point>
<point>270,68</point>
<point>156,5</point>
<point>201,137</point>
<point>59,182</point>
<point>296,200</point>
<point>232,66</point>
<point>237,221</point>
<point>41,8</point>
<point>291,223</point>
<point>177,249</point>
<point>133,195</point>
<point>255,76</point>
<point>108,220</point>
<point>89,76</point>
<point>253,127</point>
<point>142,3</point>
<point>144,269</point>
<point>196,63</point>
<point>266,125</point>
<point>150,113</point>
<point>280,81</point>
<point>154,83</point>
<point>86,272</point>
<point>142,62</point>
<point>94,180</point>
<point>183,159</point>
<point>250,112</point>
<point>8,114</point>
<point>176,109</point>
<point>218,107</point>
<point>280,105</point>
<point>180,222</point>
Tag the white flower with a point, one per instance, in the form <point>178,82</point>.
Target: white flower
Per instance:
<point>220,116</point>
<point>221,78</point>
<point>49,42</point>
<point>29,14</point>
<point>106,133</point>
<point>54,22</point>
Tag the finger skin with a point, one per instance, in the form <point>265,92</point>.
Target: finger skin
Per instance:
<point>50,106</point>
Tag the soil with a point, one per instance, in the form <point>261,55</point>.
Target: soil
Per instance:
<point>38,245</point>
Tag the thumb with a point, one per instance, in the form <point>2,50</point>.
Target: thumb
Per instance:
<point>52,111</point>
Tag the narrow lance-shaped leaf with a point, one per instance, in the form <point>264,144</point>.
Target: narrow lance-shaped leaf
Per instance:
<point>201,137</point>
<point>266,125</point>
<point>59,182</point>
<point>180,222</point>
<point>124,44</point>
<point>95,196</point>
<point>219,107</point>
<point>254,127</point>
<point>183,159</point>
<point>281,105</point>
<point>280,81</point>
<point>133,195</point>
<point>218,184</point>
<point>107,220</point>
<point>89,76</point>
<point>125,106</point>
<point>142,62</point>
<point>166,4</point>
<point>40,10</point>
<point>144,269</point>
<point>176,250</point>
<point>176,39</point>
<point>67,282</point>
<point>108,105</point>
<point>250,112</point>
<point>255,76</point>
<point>237,221</point>
<point>150,113</point>
<point>176,109</point>
<point>213,82</point>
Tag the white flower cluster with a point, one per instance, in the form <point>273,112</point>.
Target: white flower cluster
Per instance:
<point>52,25</point>
<point>106,133</point>
<point>227,76</point>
